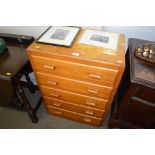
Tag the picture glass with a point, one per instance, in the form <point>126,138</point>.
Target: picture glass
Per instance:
<point>100,39</point>
<point>60,34</point>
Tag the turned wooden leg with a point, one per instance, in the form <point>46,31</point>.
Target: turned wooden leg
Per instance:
<point>30,84</point>
<point>17,103</point>
<point>25,101</point>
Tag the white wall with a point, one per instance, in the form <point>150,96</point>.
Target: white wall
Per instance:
<point>23,30</point>
<point>141,32</point>
<point>35,31</point>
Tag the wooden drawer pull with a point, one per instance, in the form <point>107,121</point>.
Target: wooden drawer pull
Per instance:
<point>58,112</point>
<point>90,103</point>
<point>92,91</point>
<point>89,112</point>
<point>55,95</point>
<point>52,83</point>
<point>88,120</point>
<point>49,67</point>
<point>56,104</point>
<point>95,76</point>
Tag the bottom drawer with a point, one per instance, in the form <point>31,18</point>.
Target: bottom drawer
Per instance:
<point>74,107</point>
<point>74,116</point>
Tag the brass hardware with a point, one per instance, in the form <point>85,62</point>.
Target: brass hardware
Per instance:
<point>95,76</point>
<point>49,67</point>
<point>8,74</point>
<point>52,83</point>
<point>89,112</point>
<point>139,50</point>
<point>55,95</point>
<point>90,103</point>
<point>58,112</point>
<point>57,104</point>
<point>92,91</point>
<point>87,120</point>
<point>119,61</point>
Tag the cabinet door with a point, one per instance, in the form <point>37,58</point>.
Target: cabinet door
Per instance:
<point>139,114</point>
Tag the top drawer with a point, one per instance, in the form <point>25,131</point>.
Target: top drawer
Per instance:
<point>92,74</point>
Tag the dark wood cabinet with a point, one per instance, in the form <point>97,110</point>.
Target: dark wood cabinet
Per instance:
<point>135,101</point>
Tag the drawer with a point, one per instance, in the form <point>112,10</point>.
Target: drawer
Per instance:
<point>74,85</point>
<point>74,107</point>
<point>74,116</point>
<point>140,114</point>
<point>75,98</point>
<point>97,75</point>
<point>146,94</point>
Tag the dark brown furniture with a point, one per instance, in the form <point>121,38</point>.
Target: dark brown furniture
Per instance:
<point>135,106</point>
<point>13,64</point>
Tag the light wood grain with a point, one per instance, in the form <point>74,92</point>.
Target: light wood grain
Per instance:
<point>87,73</point>
<point>74,97</point>
<point>89,52</point>
<point>74,85</point>
<point>74,107</point>
<point>79,82</point>
<point>74,116</point>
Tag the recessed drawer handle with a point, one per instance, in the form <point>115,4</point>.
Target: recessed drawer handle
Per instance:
<point>58,112</point>
<point>95,76</point>
<point>57,104</point>
<point>89,112</point>
<point>49,67</point>
<point>55,95</point>
<point>90,103</point>
<point>88,120</point>
<point>92,91</point>
<point>52,83</point>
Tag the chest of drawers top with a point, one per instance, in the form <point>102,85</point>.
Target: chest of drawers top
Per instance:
<point>82,53</point>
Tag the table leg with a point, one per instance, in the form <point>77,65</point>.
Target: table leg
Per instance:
<point>26,104</point>
<point>31,85</point>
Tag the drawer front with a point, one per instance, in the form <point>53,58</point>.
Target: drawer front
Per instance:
<point>92,74</point>
<point>146,94</point>
<point>75,98</point>
<point>74,107</point>
<point>139,114</point>
<point>74,85</point>
<point>74,116</point>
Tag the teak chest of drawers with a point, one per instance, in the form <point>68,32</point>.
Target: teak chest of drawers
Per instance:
<point>80,82</point>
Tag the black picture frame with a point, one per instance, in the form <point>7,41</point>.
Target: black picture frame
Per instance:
<point>47,43</point>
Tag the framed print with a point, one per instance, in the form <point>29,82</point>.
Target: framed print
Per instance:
<point>100,39</point>
<point>59,35</point>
